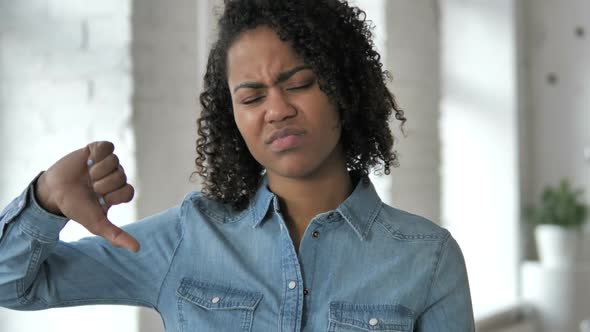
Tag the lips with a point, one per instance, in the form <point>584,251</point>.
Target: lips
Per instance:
<point>281,133</point>
<point>285,139</point>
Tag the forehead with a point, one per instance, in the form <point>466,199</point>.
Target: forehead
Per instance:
<point>258,52</point>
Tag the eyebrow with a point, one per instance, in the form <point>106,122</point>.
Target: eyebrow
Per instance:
<point>281,78</point>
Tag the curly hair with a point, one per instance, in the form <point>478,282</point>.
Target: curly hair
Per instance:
<point>336,41</point>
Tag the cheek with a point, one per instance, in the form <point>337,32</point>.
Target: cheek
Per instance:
<point>241,120</point>
<point>247,126</point>
<point>239,123</point>
<point>335,126</point>
<point>333,118</point>
<point>331,114</point>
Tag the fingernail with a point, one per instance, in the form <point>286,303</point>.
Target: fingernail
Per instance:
<point>101,201</point>
<point>89,162</point>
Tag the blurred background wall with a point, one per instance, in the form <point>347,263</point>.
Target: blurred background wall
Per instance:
<point>65,79</point>
<point>495,92</point>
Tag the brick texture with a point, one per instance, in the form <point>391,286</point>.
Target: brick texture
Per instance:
<point>65,80</point>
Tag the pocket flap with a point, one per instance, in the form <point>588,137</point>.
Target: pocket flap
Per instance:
<point>372,317</point>
<point>217,297</point>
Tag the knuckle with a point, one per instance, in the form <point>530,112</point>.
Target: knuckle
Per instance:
<point>104,149</point>
<point>99,188</point>
<point>122,176</point>
<point>107,146</point>
<point>88,150</point>
<point>130,193</point>
<point>93,172</point>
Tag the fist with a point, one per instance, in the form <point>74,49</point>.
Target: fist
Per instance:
<point>83,185</point>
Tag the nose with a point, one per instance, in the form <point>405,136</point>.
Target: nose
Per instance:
<point>278,107</point>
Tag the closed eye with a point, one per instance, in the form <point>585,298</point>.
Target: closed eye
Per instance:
<point>300,87</point>
<point>252,101</point>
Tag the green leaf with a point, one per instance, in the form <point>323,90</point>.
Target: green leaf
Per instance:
<point>561,205</point>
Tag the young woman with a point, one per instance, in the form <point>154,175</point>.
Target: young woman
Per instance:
<point>288,233</point>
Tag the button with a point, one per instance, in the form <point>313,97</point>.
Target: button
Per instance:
<point>292,285</point>
<point>215,300</point>
<point>331,216</point>
<point>305,292</point>
<point>21,204</point>
<point>373,321</point>
<point>315,234</point>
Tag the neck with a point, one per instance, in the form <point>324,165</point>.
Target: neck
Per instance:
<point>302,199</point>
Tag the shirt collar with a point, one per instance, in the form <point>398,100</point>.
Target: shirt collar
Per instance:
<point>359,210</point>
<point>261,202</point>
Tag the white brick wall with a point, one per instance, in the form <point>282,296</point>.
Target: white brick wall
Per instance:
<point>65,80</point>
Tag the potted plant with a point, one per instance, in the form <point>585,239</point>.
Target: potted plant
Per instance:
<point>559,218</point>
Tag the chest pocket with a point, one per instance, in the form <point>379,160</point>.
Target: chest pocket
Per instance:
<point>204,306</point>
<point>348,317</point>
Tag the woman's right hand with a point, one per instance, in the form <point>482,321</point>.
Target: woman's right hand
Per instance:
<point>83,185</point>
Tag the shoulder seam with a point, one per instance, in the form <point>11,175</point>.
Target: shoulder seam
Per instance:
<point>437,263</point>
<point>405,237</point>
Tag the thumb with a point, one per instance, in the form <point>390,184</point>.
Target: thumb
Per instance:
<point>98,224</point>
<point>116,236</point>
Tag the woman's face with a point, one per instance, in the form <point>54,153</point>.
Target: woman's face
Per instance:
<point>289,125</point>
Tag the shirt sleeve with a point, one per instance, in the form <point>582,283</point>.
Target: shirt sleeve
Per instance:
<point>449,307</point>
<point>38,271</point>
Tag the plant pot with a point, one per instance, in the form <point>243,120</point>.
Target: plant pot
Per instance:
<point>558,245</point>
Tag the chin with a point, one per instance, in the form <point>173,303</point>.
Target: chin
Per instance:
<point>293,169</point>
<point>293,172</point>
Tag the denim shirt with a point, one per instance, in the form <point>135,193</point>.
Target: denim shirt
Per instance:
<point>203,266</point>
